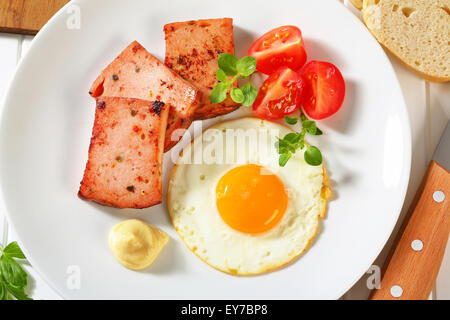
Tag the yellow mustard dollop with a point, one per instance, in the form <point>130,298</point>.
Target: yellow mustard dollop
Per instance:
<point>136,244</point>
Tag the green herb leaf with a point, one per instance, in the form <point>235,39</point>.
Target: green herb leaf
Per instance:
<point>311,127</point>
<point>282,150</point>
<point>290,120</point>
<point>282,146</point>
<point>246,66</point>
<point>2,291</point>
<point>12,272</point>
<point>312,130</point>
<point>284,158</point>
<point>237,95</point>
<point>221,76</point>
<point>296,140</point>
<point>302,134</point>
<point>301,144</point>
<point>250,93</point>
<point>229,65</point>
<point>7,296</point>
<point>13,250</point>
<point>307,124</point>
<point>313,156</point>
<point>4,294</point>
<point>219,93</point>
<point>13,279</point>
<point>18,292</point>
<point>292,137</point>
<point>318,132</point>
<point>227,62</point>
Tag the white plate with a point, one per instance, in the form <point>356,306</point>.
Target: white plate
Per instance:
<point>46,128</point>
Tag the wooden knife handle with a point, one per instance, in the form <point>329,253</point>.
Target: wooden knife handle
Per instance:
<point>415,262</point>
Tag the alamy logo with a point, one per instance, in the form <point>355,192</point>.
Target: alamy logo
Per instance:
<point>74,20</point>
<point>373,281</point>
<point>74,277</point>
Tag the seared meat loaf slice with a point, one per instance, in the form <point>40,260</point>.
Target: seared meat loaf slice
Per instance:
<point>192,50</point>
<point>135,73</point>
<point>125,156</point>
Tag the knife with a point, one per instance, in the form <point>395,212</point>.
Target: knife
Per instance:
<point>411,271</point>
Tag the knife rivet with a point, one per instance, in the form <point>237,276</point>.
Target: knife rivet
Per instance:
<point>417,245</point>
<point>438,196</point>
<point>396,291</point>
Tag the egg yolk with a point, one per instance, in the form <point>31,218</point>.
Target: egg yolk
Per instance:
<point>251,199</point>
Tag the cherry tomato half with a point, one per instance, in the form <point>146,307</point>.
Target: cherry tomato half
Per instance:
<point>280,47</point>
<point>324,91</point>
<point>280,94</point>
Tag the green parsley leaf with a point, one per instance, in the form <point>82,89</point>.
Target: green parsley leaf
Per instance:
<point>246,66</point>
<point>312,130</point>
<point>292,137</point>
<point>282,146</point>
<point>18,292</point>
<point>2,291</point>
<point>313,156</point>
<point>290,120</point>
<point>303,118</point>
<point>318,132</point>
<point>311,127</point>
<point>296,140</point>
<point>227,62</point>
<point>219,93</point>
<point>229,65</point>
<point>221,76</point>
<point>237,95</point>
<point>284,158</point>
<point>307,124</point>
<point>7,296</point>
<point>13,250</point>
<point>301,144</point>
<point>250,93</point>
<point>12,272</point>
<point>282,150</point>
<point>13,279</point>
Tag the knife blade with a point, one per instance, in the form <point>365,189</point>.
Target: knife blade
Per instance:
<point>442,153</point>
<point>411,271</point>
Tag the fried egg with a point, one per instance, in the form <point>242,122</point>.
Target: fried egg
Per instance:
<point>235,207</point>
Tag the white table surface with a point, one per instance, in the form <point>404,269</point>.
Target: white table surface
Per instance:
<point>429,110</point>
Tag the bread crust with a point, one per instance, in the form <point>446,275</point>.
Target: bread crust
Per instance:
<point>416,41</point>
<point>358,4</point>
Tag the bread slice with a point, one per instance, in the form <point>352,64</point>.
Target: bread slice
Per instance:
<point>192,50</point>
<point>357,3</point>
<point>415,31</point>
<point>125,155</point>
<point>135,73</point>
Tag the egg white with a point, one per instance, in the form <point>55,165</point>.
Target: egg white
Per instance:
<point>192,200</point>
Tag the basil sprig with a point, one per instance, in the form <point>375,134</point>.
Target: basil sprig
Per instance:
<point>13,279</point>
<point>230,66</point>
<point>296,140</point>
